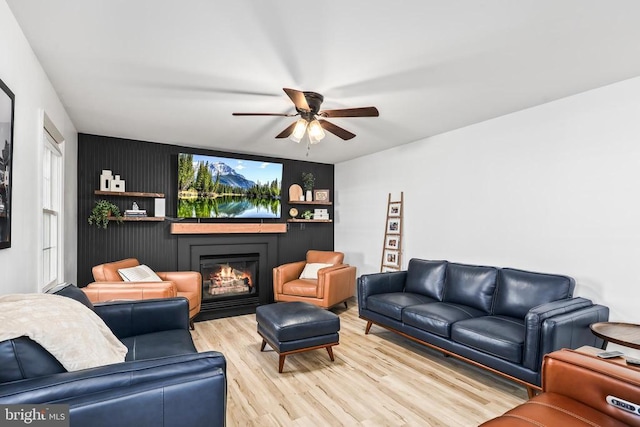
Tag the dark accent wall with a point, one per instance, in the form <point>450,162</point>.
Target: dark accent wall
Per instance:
<point>152,167</point>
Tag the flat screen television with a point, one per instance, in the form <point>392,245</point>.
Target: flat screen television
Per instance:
<point>224,187</point>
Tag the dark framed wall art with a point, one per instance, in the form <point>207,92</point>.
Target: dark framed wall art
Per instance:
<point>7,100</point>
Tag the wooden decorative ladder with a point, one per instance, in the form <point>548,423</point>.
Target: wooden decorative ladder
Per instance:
<point>392,246</point>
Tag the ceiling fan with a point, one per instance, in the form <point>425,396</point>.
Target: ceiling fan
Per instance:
<point>312,119</point>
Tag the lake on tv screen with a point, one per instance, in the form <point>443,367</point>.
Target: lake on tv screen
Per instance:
<point>219,187</point>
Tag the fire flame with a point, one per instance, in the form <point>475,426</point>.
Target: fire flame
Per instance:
<point>228,273</point>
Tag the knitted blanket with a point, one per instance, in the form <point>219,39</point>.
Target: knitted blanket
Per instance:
<point>67,329</point>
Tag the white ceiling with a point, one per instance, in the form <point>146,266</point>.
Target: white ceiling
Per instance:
<point>173,71</point>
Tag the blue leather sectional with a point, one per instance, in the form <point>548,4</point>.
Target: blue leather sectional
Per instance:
<point>501,319</point>
<point>163,382</point>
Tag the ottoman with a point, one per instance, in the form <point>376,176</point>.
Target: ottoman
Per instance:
<point>294,327</point>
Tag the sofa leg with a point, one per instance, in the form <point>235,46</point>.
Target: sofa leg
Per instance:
<point>345,305</point>
<point>330,351</point>
<point>366,331</point>
<point>192,326</point>
<point>531,392</point>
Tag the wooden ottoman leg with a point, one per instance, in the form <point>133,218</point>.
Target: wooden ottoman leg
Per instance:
<point>281,362</point>
<point>330,351</point>
<point>264,343</point>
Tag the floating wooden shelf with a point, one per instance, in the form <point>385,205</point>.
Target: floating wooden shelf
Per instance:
<point>314,202</point>
<point>128,194</point>
<point>138,218</point>
<point>217,228</point>
<point>309,220</point>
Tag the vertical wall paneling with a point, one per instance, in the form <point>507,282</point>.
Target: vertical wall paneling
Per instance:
<point>152,167</point>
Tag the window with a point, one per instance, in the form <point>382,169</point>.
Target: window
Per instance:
<point>51,212</point>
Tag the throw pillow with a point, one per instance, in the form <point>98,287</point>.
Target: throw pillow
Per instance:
<point>139,273</point>
<point>69,290</point>
<point>311,270</point>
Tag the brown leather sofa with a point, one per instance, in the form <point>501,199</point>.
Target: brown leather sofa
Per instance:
<point>576,388</point>
<point>334,284</point>
<point>109,286</point>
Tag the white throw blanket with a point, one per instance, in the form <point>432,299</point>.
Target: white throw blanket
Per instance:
<point>66,328</point>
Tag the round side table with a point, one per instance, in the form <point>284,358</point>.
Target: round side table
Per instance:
<point>625,334</point>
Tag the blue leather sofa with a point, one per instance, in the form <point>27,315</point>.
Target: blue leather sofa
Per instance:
<point>501,319</point>
<point>164,381</point>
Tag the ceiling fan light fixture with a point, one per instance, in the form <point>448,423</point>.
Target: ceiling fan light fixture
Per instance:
<point>312,119</point>
<point>316,133</point>
<point>299,130</point>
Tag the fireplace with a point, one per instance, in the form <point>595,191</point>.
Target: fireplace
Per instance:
<point>236,271</point>
<point>229,276</point>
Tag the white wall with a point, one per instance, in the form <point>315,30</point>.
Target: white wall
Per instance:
<point>554,188</point>
<point>20,70</point>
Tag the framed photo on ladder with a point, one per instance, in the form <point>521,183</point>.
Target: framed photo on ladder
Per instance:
<point>393,226</point>
<point>391,258</point>
<point>392,242</point>
<point>394,209</point>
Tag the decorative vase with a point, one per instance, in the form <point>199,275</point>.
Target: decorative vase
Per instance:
<point>309,196</point>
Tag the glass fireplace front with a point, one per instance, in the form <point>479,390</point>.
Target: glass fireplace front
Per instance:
<point>229,276</point>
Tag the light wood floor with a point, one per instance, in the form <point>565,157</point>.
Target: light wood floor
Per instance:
<point>380,379</point>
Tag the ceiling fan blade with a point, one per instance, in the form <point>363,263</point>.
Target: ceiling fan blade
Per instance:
<point>298,99</point>
<point>288,131</point>
<point>336,130</point>
<point>264,114</point>
<point>351,112</point>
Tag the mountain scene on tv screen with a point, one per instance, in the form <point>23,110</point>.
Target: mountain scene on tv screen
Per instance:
<point>219,187</point>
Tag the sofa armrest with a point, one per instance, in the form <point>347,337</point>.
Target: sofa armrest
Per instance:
<point>186,281</point>
<point>589,380</point>
<point>129,318</point>
<point>285,273</point>
<point>559,324</point>
<point>151,392</point>
<point>379,283</point>
<point>571,330</point>
<point>337,282</point>
<point>110,291</point>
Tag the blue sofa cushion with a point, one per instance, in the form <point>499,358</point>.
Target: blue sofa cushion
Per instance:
<point>470,285</point>
<point>499,336</point>
<point>392,304</point>
<point>159,344</point>
<point>438,317</point>
<point>519,291</point>
<point>426,278</point>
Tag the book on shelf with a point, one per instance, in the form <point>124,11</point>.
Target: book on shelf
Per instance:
<point>135,212</point>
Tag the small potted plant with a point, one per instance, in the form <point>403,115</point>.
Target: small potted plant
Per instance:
<point>307,215</point>
<point>102,211</point>
<point>307,183</point>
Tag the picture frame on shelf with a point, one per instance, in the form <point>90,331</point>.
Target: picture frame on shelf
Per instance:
<point>394,209</point>
<point>393,226</point>
<point>391,258</point>
<point>321,195</point>
<point>7,110</point>
<point>392,242</point>
<point>387,269</point>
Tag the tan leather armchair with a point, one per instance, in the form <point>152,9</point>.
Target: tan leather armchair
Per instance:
<point>576,388</point>
<point>109,285</point>
<point>334,284</point>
